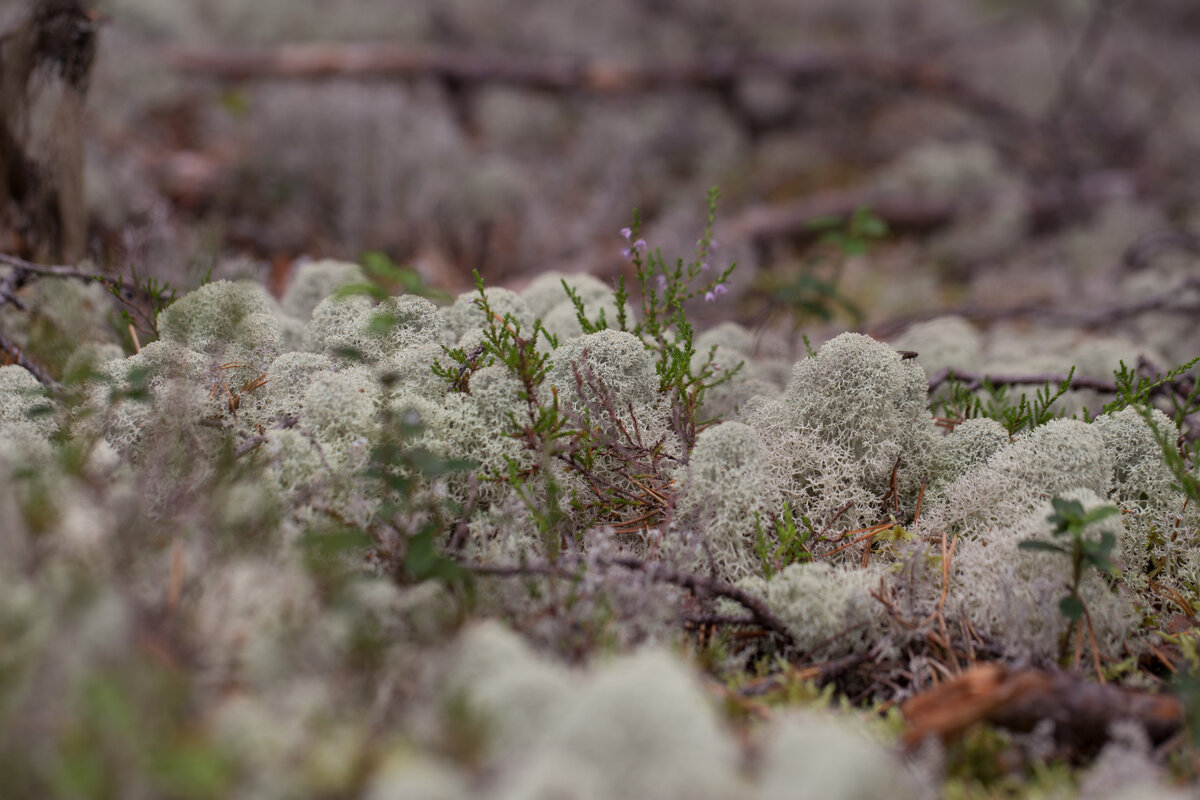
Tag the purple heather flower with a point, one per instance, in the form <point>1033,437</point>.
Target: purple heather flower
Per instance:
<point>627,233</point>
<point>709,297</point>
<point>662,283</point>
<point>715,292</point>
<point>637,247</point>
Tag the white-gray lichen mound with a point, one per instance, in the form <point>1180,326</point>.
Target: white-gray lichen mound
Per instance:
<point>729,495</point>
<point>1011,596</point>
<point>851,415</point>
<point>813,756</point>
<point>638,727</point>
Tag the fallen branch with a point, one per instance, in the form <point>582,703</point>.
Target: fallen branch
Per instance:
<point>1082,712</point>
<point>699,585</point>
<point>975,380</point>
<point>18,357</point>
<point>599,75</point>
<point>1172,301</point>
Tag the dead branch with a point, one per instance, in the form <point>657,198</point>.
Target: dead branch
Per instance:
<point>699,585</point>
<point>1173,301</point>
<point>975,380</point>
<point>1019,699</point>
<point>605,76</point>
<point>1181,387</point>
<point>17,356</point>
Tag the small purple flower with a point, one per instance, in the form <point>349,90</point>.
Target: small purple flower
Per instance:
<point>627,233</point>
<point>715,292</point>
<point>662,283</point>
<point>703,266</point>
<point>635,248</point>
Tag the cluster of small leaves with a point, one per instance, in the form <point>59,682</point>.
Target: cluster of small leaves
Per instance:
<point>142,299</point>
<point>995,402</point>
<point>386,277</point>
<point>807,295</point>
<point>409,523</point>
<point>786,544</point>
<point>1070,519</point>
<point>1180,456</point>
<point>1136,390</point>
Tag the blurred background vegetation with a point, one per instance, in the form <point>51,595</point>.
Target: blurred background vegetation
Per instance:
<point>1012,151</point>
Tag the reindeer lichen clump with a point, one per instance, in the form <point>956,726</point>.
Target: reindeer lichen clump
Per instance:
<point>1061,455</point>
<point>1011,595</point>
<point>225,320</point>
<point>728,486</point>
<point>314,281</point>
<point>851,421</point>
<point>1158,516</point>
<point>21,397</point>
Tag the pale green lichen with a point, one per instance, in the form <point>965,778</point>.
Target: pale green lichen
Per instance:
<point>466,314</point>
<point>408,370</point>
<point>512,691</point>
<point>313,281</point>
<point>226,320</point>
<point>727,490</point>
<point>828,609</point>
<point>815,756</point>
<point>245,615</point>
<point>1011,595</point>
<point>969,445</point>
<point>851,415</point>
<point>546,291</point>
<point>1159,520</point>
<point>287,380</point>
<point>340,411</point>
<point>340,328</point>
<point>641,727</point>
<point>24,400</point>
<point>1061,455</point>
<point>355,328</point>
<point>616,359</point>
<point>168,382</point>
<point>89,356</point>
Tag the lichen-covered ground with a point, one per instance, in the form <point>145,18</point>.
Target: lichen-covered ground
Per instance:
<point>276,552</point>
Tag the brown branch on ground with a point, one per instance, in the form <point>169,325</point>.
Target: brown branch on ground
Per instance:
<point>976,380</point>
<point>1018,699</point>
<point>598,75</point>
<point>699,585</point>
<point>903,213</point>
<point>1181,387</point>
<point>1169,302</point>
<point>15,355</point>
<point>133,296</point>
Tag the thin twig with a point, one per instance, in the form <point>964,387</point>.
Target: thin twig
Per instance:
<point>18,357</point>
<point>700,585</point>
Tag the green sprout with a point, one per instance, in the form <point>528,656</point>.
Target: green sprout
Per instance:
<point>1071,520</point>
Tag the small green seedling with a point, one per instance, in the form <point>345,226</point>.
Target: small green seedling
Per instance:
<point>1070,519</point>
<point>787,546</point>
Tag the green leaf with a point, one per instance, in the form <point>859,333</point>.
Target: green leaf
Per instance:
<point>1033,544</point>
<point>361,289</point>
<point>1098,513</point>
<point>1067,509</point>
<point>1071,607</point>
